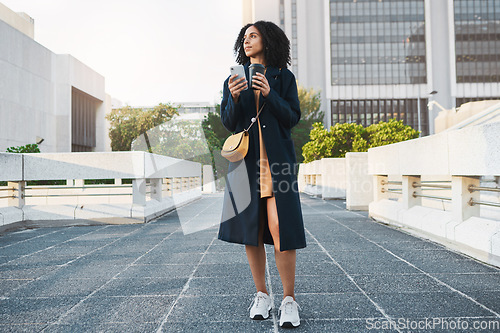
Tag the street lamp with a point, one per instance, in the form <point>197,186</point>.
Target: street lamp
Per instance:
<point>432,103</point>
<point>418,109</point>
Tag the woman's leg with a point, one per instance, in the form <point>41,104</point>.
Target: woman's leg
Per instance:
<point>256,256</point>
<point>285,260</point>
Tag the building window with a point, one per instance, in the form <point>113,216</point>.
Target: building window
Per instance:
<point>83,121</point>
<point>372,111</point>
<point>377,42</point>
<point>477,40</point>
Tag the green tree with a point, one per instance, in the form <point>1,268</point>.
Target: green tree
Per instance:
<point>310,103</point>
<point>215,135</point>
<point>214,131</point>
<point>29,148</point>
<point>178,138</point>
<point>127,123</point>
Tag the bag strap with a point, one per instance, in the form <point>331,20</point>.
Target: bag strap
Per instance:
<point>255,118</point>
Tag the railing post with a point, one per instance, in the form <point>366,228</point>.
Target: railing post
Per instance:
<point>17,192</point>
<point>407,186</point>
<point>208,179</point>
<point>379,190</point>
<point>156,189</point>
<point>118,181</point>
<point>79,182</point>
<point>461,197</point>
<point>139,191</point>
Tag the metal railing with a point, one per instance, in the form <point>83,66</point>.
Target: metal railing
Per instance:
<point>473,202</point>
<point>169,186</point>
<point>416,195</point>
<point>432,185</point>
<point>473,188</point>
<point>391,182</point>
<point>7,189</point>
<point>440,185</point>
<point>82,194</point>
<point>392,190</point>
<point>429,186</point>
<point>75,187</point>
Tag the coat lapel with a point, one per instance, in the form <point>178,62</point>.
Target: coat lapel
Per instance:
<point>273,76</point>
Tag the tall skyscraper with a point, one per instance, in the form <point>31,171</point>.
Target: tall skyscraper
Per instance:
<point>379,59</point>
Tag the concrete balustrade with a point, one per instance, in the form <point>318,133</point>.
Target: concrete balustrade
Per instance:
<point>339,178</point>
<point>423,185</point>
<point>159,184</point>
<point>459,159</point>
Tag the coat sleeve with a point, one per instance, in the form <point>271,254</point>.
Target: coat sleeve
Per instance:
<point>229,110</point>
<point>285,108</point>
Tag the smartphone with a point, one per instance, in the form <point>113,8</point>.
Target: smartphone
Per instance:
<point>240,71</point>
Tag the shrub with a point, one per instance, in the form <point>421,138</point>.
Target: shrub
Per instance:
<point>29,148</point>
<point>385,133</point>
<point>350,137</point>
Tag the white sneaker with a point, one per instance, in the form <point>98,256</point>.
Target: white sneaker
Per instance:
<point>289,313</point>
<point>261,306</point>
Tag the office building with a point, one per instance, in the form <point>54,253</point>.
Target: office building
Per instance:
<point>48,96</point>
<point>379,59</point>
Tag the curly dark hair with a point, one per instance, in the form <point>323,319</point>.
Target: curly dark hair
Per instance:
<point>275,42</point>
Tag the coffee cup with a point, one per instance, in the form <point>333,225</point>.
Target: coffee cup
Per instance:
<point>253,70</point>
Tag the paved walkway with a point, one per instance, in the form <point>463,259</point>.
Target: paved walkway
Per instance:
<point>353,276</point>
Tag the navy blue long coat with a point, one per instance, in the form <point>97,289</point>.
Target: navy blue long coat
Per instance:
<point>242,203</point>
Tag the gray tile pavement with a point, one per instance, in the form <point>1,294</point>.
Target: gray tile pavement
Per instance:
<point>355,275</point>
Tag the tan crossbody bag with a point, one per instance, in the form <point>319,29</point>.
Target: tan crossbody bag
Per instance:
<point>235,147</point>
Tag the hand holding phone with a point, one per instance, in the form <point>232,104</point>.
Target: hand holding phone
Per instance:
<point>237,81</point>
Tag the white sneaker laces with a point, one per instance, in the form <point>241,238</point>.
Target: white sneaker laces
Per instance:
<point>256,301</point>
<point>288,307</point>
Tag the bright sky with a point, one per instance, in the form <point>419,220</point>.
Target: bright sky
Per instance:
<point>149,51</point>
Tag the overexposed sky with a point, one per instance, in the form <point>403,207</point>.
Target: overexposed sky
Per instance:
<point>149,51</point>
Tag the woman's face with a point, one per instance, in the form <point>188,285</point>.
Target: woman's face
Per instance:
<point>252,42</point>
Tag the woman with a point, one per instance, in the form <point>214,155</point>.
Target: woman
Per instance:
<point>261,202</point>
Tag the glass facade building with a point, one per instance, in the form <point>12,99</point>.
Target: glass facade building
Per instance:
<point>378,43</point>
<point>374,60</point>
<point>477,40</point>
